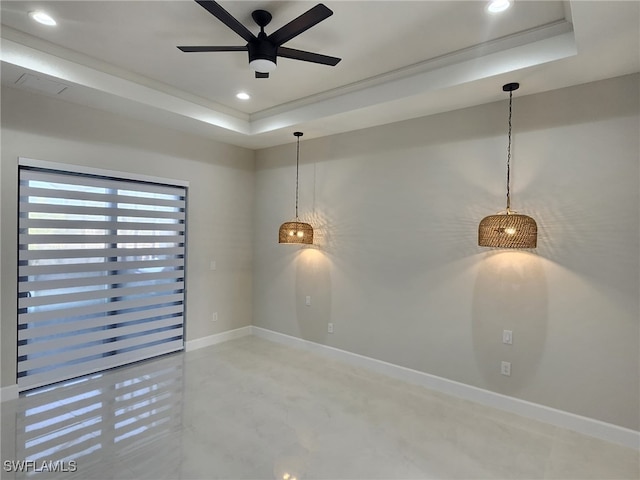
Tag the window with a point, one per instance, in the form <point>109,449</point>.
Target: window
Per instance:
<point>101,272</point>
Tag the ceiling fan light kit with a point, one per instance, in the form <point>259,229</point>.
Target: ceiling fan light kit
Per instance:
<point>508,229</point>
<point>263,65</point>
<point>264,49</point>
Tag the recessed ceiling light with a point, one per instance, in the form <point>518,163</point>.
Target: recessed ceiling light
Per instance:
<point>243,96</point>
<point>497,6</point>
<point>43,17</point>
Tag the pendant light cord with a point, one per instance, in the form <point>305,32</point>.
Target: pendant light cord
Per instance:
<point>298,135</point>
<point>509,154</point>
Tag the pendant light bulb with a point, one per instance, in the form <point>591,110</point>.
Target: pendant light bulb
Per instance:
<point>296,232</point>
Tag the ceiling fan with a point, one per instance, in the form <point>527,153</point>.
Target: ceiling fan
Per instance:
<point>263,49</point>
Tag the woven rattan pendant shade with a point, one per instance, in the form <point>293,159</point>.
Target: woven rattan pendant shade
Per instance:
<point>296,232</point>
<point>508,229</point>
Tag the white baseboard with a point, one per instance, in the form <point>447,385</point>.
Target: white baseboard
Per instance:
<point>217,338</point>
<point>9,392</point>
<point>584,425</point>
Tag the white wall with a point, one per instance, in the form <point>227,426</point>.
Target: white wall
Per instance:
<point>397,268</point>
<point>220,200</point>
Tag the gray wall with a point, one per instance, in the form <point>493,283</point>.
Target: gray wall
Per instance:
<point>397,268</point>
<point>220,202</point>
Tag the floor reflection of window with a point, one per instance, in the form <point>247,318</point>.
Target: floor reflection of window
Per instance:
<point>124,412</point>
<point>101,273</point>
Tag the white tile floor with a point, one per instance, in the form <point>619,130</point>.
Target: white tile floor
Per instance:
<point>253,409</point>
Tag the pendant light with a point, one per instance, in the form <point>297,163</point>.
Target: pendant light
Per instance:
<point>508,229</point>
<point>296,232</point>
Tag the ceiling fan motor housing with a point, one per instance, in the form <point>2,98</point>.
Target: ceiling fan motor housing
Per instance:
<point>262,49</point>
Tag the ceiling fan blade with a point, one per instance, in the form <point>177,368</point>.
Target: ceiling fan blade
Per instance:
<point>298,25</point>
<point>262,74</point>
<point>225,17</point>
<point>189,49</point>
<point>307,56</point>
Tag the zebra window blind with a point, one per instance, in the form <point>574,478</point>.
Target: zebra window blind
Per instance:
<point>101,273</point>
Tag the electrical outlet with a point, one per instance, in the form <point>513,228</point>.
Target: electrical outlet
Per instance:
<point>507,337</point>
<point>307,300</point>
<point>330,327</point>
<point>214,317</point>
<point>212,265</point>
<point>505,369</point>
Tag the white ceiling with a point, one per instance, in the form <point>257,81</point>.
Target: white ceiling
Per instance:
<point>400,60</point>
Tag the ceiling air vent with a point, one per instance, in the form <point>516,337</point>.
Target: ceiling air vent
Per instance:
<point>41,84</point>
